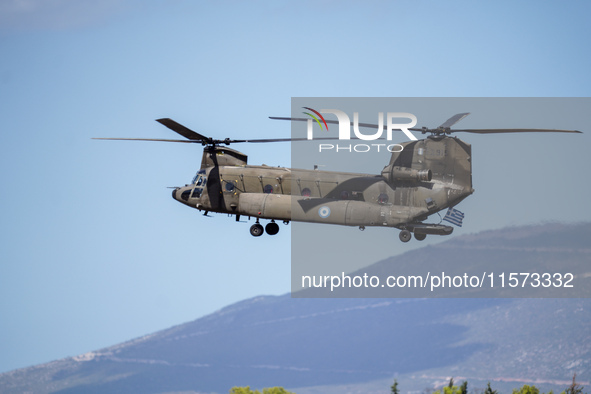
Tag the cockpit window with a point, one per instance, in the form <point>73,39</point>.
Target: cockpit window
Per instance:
<point>185,195</point>
<point>199,180</point>
<point>197,192</point>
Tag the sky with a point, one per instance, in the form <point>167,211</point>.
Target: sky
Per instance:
<point>94,251</point>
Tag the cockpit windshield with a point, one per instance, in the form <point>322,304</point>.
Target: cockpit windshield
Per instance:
<point>199,179</point>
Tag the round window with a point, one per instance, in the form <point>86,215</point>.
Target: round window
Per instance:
<point>382,198</point>
<point>306,192</point>
<point>230,186</point>
<point>268,189</point>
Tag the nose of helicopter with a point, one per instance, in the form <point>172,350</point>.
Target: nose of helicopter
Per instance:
<point>182,194</point>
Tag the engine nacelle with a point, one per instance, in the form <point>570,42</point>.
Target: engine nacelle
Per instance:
<point>395,173</point>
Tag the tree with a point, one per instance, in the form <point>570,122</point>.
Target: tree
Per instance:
<point>464,387</point>
<point>450,389</point>
<point>270,390</point>
<point>489,390</point>
<point>574,388</point>
<point>276,390</point>
<point>527,390</point>
<point>394,388</point>
<point>243,390</point>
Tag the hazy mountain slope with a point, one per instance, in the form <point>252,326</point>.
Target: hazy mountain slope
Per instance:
<point>298,343</point>
<point>551,248</point>
<point>525,341</point>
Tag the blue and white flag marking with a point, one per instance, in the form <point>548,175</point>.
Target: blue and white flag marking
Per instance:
<point>454,217</point>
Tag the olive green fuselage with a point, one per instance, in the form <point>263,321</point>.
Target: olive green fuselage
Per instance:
<point>427,176</point>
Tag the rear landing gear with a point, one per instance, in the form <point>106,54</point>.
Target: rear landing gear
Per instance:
<point>421,230</point>
<point>420,237</point>
<point>405,235</point>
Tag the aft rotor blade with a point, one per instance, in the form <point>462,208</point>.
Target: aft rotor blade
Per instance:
<point>447,124</point>
<point>182,130</point>
<point>494,131</point>
<point>374,126</point>
<point>453,120</point>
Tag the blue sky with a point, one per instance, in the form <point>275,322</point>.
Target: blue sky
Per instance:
<point>94,250</point>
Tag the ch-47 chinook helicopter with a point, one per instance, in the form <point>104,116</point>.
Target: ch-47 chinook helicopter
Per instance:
<point>423,178</point>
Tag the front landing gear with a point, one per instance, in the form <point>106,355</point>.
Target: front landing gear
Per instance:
<point>272,228</point>
<point>256,230</point>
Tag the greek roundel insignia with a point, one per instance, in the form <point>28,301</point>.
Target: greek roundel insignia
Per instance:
<point>324,212</point>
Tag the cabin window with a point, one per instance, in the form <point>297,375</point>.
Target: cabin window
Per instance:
<point>430,203</point>
<point>306,192</point>
<point>230,186</point>
<point>383,198</point>
<point>268,189</point>
<point>344,195</point>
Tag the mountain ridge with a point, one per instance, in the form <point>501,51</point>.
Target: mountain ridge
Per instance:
<point>320,345</point>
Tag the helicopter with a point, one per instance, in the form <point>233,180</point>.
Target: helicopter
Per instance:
<point>422,178</point>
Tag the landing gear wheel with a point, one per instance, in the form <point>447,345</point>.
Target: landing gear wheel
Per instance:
<point>404,235</point>
<point>256,230</point>
<point>420,237</point>
<point>272,228</point>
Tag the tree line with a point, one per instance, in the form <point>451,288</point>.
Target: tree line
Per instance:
<point>451,388</point>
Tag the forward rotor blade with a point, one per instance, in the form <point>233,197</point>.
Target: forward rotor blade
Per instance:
<point>289,139</point>
<point>496,131</point>
<point>182,130</point>
<point>148,139</point>
<point>221,141</point>
<point>262,140</point>
<point>453,120</point>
